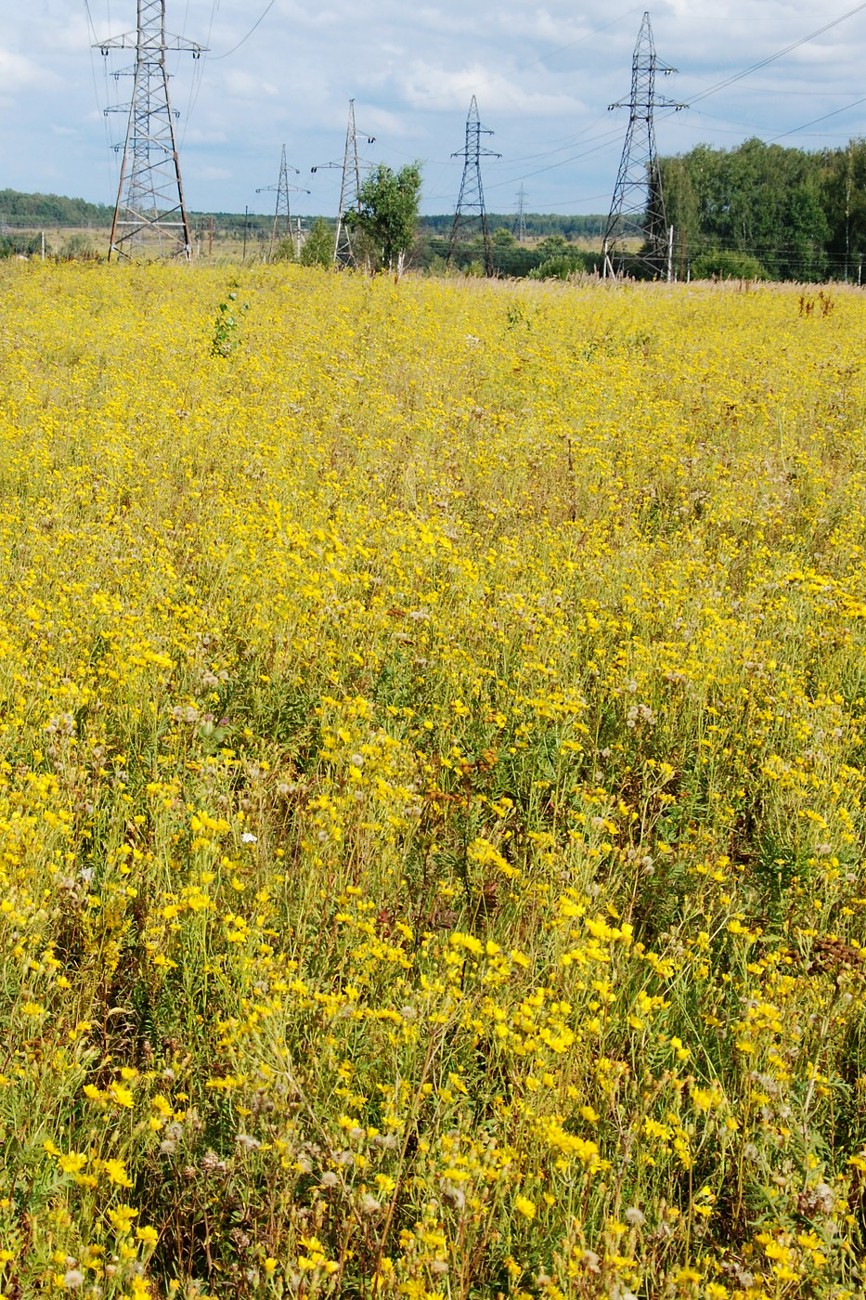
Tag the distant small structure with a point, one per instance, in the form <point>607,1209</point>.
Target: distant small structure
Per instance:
<point>282,227</point>
<point>520,219</point>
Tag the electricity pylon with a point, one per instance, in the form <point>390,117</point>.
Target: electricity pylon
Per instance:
<point>637,207</point>
<point>282,227</point>
<point>520,219</point>
<point>470,202</point>
<point>150,211</point>
<point>344,253</point>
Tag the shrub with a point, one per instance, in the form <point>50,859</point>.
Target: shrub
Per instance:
<point>722,264</point>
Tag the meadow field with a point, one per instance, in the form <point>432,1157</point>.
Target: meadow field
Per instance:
<point>432,770</point>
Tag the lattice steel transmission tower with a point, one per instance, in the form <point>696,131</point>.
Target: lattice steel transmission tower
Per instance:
<point>150,212</point>
<point>470,201</point>
<point>520,219</point>
<point>637,209</point>
<point>282,227</point>
<point>344,253</point>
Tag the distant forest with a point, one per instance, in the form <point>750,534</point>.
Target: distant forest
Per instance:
<point>19,211</point>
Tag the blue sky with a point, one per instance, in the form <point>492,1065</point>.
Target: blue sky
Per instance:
<point>543,73</point>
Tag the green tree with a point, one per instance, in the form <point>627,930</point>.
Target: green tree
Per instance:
<point>318,248</point>
<point>762,201</point>
<point>682,207</point>
<point>387,212</point>
<point>843,198</point>
<point>553,246</point>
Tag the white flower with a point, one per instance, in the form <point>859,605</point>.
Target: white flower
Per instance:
<point>246,1142</point>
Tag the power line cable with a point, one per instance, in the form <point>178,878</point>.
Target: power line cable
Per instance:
<point>815,120</point>
<point>800,94</point>
<point>569,143</point>
<point>198,74</point>
<point>587,153</point>
<point>605,141</point>
<point>569,45</point>
<point>112,178</point>
<point>720,85</point>
<point>773,58</point>
<point>557,49</point>
<point>244,39</point>
<point>501,76</point>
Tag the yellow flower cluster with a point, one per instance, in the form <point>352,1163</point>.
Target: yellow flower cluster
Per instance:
<point>432,765</point>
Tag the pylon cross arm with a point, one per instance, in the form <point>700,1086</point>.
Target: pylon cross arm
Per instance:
<point>130,41</point>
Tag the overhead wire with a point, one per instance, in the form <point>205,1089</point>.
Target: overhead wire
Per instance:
<point>198,72</point>
<point>824,117</point>
<point>567,45</point>
<point>244,39</point>
<point>729,81</point>
<point>605,138</point>
<point>550,54</point>
<point>779,54</point>
<point>569,141</point>
<point>512,180</point>
<point>795,130</point>
<point>101,108</point>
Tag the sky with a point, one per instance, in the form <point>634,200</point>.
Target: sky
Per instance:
<point>543,74</point>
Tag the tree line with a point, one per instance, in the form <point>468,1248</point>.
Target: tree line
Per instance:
<point>767,211</point>
<point>19,210</point>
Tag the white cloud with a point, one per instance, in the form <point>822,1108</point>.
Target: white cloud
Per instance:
<point>211,173</point>
<point>19,74</point>
<point>246,85</point>
<point>428,86</point>
<point>383,122</point>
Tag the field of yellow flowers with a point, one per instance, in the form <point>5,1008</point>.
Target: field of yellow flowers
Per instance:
<point>432,766</point>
